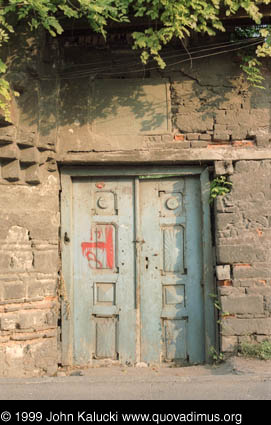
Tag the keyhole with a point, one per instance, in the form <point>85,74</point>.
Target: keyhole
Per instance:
<point>147,262</point>
<point>66,238</point>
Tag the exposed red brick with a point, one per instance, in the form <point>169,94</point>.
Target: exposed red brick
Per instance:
<point>224,283</point>
<point>243,143</point>
<point>227,316</point>
<point>179,137</point>
<point>242,265</point>
<point>50,298</point>
<point>260,233</point>
<point>263,282</point>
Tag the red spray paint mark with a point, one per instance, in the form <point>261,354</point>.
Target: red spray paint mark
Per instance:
<point>106,245</point>
<point>100,185</point>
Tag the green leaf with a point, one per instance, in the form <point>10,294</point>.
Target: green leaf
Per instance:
<point>3,67</point>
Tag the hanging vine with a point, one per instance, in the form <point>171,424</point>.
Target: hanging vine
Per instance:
<point>176,19</point>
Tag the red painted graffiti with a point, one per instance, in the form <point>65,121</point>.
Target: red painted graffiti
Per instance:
<point>100,185</point>
<point>104,242</point>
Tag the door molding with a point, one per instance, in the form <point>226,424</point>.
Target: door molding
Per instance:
<point>67,284</point>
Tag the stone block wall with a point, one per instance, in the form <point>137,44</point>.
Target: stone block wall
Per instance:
<point>243,254</point>
<point>220,111</point>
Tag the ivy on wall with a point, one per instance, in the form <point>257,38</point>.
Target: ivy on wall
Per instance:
<point>166,19</point>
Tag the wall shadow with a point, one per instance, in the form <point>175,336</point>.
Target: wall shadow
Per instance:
<point>106,90</point>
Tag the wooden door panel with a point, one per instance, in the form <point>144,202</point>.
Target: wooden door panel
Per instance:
<point>104,275</point>
<point>171,293</point>
<point>162,217</point>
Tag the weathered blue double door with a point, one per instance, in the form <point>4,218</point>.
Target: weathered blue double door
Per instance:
<point>137,269</point>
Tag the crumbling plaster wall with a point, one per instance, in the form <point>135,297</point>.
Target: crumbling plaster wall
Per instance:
<point>209,103</point>
<point>210,116</point>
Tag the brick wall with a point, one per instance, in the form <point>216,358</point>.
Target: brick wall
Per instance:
<point>29,226</point>
<point>215,119</point>
<point>243,252</point>
<point>29,265</point>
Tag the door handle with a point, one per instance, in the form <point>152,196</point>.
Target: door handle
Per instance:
<point>146,263</point>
